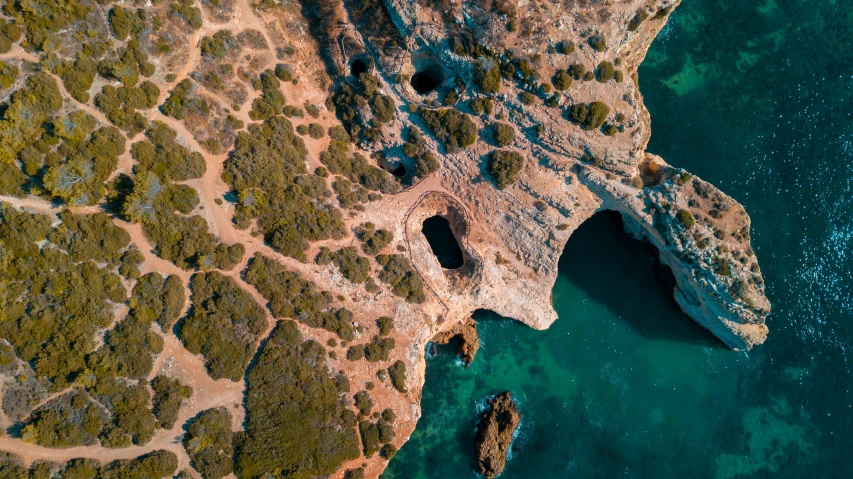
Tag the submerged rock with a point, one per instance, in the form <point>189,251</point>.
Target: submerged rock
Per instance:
<point>494,434</point>
<point>467,333</point>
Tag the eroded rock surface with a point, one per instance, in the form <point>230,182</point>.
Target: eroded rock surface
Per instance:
<point>469,340</point>
<point>494,434</point>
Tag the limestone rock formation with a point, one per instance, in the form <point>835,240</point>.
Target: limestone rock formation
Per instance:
<point>494,434</point>
<point>469,340</point>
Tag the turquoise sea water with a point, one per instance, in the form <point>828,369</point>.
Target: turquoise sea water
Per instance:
<point>756,97</point>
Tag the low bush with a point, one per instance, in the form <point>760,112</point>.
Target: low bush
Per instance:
<point>399,274</point>
<point>373,240</point>
<point>397,373</point>
<point>589,116</point>
<point>504,166</point>
<point>454,129</point>
<point>504,134</point>
<point>561,80</point>
<point>606,72</point>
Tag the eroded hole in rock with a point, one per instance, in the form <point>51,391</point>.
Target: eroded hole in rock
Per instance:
<point>443,242</point>
<point>429,73</point>
<point>427,80</point>
<point>359,66</point>
<point>399,171</point>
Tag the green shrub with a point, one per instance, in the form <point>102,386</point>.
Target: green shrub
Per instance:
<point>283,72</point>
<point>487,76</point>
<point>566,47</point>
<point>637,19</point>
<point>528,98</point>
<point>397,373</point>
<point>353,267</point>
<point>386,325</point>
<point>399,274</point>
<point>316,131</point>
<point>208,443</point>
<point>169,394</point>
<point>218,45</point>
<point>504,134</point>
<point>373,240</point>
<point>59,303</point>
<point>454,129</point>
<point>561,80</point>
<point>589,116</point>
<point>383,107</point>
<point>481,105</point>
<point>379,349</point>
<point>577,70</point>
<point>263,170</point>
<point>9,34</point>
<point>504,167</point>
<point>597,43</point>
<point>154,465</point>
<point>223,325</point>
<point>192,15</point>
<point>8,74</point>
<point>606,72</point>
<point>296,416</point>
<point>685,219</point>
<point>72,419</point>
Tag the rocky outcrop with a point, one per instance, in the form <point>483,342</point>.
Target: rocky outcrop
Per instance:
<point>469,340</point>
<point>494,434</point>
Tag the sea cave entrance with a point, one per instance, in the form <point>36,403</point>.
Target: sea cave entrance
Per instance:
<point>614,268</point>
<point>443,242</point>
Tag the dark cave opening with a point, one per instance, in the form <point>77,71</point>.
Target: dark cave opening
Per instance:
<point>443,242</point>
<point>359,66</point>
<point>428,79</point>
<point>626,274</point>
<point>399,171</point>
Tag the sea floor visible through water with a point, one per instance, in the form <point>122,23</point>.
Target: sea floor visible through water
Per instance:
<point>757,98</point>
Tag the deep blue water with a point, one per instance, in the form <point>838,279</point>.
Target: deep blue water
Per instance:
<point>757,98</point>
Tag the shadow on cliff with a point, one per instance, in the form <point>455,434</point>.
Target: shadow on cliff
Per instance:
<point>623,274</point>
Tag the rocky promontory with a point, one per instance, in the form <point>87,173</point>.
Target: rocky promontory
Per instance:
<point>494,434</point>
<point>469,340</point>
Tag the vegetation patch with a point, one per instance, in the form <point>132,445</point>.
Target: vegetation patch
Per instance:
<point>263,170</point>
<point>297,420</point>
<point>452,128</point>
<point>291,296</point>
<point>208,443</point>
<point>399,274</point>
<point>353,267</point>
<point>504,166</point>
<point>223,325</point>
<point>589,116</point>
<point>372,240</point>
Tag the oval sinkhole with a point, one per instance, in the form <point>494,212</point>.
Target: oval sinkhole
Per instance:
<point>358,66</point>
<point>428,79</point>
<point>442,242</point>
<point>399,171</point>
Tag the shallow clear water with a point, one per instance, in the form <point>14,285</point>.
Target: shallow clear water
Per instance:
<point>756,97</point>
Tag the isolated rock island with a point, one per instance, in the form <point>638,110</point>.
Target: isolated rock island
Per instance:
<point>494,434</point>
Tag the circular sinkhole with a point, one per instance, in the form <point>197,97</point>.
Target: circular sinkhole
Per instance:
<point>360,64</point>
<point>399,171</point>
<point>443,242</point>
<point>429,74</point>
